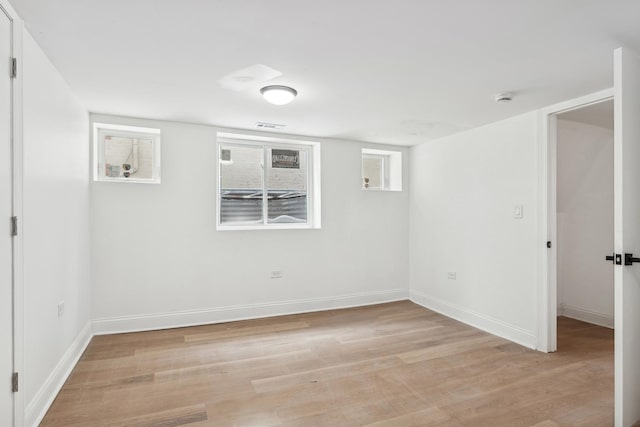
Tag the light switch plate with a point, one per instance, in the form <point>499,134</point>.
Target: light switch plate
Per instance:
<point>517,211</point>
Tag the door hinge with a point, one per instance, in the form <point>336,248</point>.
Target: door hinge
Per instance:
<point>14,226</point>
<point>14,382</point>
<point>14,68</point>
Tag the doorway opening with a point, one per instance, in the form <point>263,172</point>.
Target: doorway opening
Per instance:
<point>584,231</point>
<point>548,302</point>
<point>580,284</point>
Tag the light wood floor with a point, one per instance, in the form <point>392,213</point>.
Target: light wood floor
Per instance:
<point>394,364</point>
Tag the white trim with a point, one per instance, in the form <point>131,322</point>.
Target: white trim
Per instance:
<point>179,319</point>
<point>17,28</point>
<point>260,227</point>
<point>547,286</point>
<point>477,320</point>
<point>125,128</point>
<point>247,138</point>
<point>576,103</point>
<point>378,152</point>
<point>18,241</point>
<point>39,405</point>
<point>588,316</point>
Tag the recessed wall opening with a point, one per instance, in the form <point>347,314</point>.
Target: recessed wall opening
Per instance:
<point>584,218</point>
<point>381,170</point>
<point>126,154</point>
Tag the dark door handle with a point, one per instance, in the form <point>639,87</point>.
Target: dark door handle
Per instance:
<point>615,258</point>
<point>629,259</point>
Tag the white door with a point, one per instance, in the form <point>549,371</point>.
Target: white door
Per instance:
<point>6,250</point>
<point>627,236</point>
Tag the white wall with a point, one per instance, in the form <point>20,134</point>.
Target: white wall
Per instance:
<point>157,259</point>
<point>56,229</point>
<point>585,221</point>
<point>463,191</point>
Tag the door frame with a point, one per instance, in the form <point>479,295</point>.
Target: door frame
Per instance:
<point>17,26</point>
<point>547,216</point>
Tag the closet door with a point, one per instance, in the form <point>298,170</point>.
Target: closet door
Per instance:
<point>627,236</point>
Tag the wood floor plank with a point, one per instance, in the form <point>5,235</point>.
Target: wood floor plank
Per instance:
<point>445,350</point>
<point>435,417</point>
<point>247,331</point>
<point>394,364</point>
<point>271,384</point>
<point>171,418</point>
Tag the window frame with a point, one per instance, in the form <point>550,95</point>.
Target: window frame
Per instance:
<point>391,169</point>
<point>312,150</point>
<point>99,162</point>
<point>384,173</point>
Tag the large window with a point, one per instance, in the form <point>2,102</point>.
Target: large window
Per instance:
<point>267,183</point>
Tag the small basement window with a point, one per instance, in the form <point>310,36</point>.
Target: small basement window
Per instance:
<point>126,154</point>
<point>267,183</point>
<point>381,170</point>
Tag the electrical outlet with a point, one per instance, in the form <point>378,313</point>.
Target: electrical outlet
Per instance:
<point>451,275</point>
<point>60,308</point>
<point>276,274</point>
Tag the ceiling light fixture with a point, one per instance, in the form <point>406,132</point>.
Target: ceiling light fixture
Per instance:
<point>278,95</point>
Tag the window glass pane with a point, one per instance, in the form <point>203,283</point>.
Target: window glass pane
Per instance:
<point>241,185</point>
<point>128,157</point>
<point>287,186</point>
<point>372,171</point>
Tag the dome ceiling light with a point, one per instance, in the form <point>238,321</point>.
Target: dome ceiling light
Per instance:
<point>278,95</point>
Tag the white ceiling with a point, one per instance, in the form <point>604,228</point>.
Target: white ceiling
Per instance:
<point>399,72</point>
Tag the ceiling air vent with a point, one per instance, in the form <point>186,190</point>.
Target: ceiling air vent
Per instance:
<point>262,125</point>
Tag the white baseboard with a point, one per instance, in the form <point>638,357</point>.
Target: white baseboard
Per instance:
<point>586,316</point>
<point>477,320</point>
<point>39,405</point>
<point>227,314</point>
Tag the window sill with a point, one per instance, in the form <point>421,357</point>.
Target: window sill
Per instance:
<point>382,190</point>
<point>266,227</point>
<point>128,180</point>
